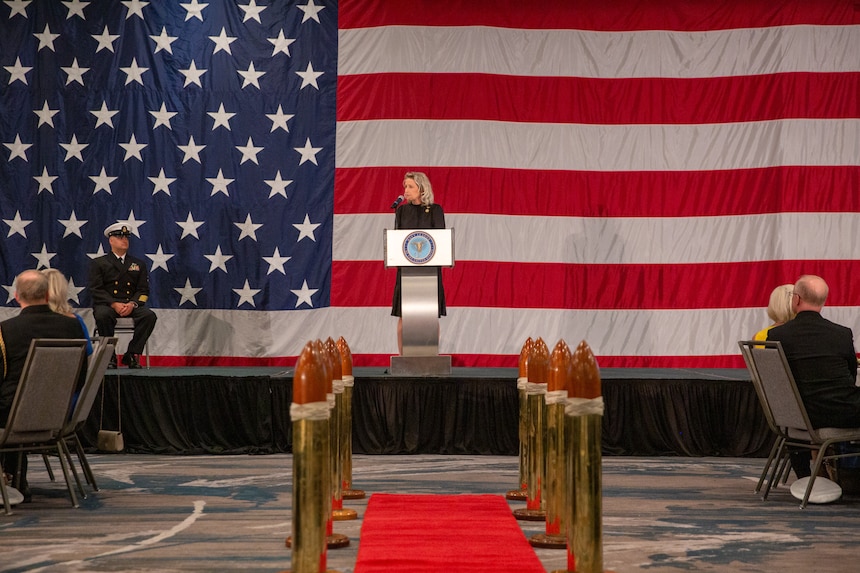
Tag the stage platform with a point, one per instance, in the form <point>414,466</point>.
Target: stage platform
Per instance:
<point>233,410</point>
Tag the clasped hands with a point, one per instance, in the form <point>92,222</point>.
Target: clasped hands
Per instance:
<point>123,308</point>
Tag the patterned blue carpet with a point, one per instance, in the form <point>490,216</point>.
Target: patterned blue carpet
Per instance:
<point>232,513</point>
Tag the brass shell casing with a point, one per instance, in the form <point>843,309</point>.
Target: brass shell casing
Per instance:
<point>311,495</point>
<point>585,535</point>
<point>556,470</point>
<point>536,446</point>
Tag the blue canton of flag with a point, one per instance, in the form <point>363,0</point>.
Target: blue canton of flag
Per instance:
<point>208,128</point>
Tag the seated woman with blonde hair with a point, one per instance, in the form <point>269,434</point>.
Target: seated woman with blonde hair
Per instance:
<point>58,300</point>
<point>779,309</point>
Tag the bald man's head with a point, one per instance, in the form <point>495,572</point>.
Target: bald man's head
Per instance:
<point>812,291</point>
<point>31,287</point>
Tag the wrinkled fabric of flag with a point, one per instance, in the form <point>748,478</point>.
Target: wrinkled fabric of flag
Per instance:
<point>208,128</point>
<point>636,175</point>
<point>639,175</point>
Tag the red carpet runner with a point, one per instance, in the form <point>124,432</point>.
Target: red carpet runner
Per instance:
<point>450,533</point>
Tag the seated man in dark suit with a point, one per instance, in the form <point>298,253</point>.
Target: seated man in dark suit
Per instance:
<point>36,320</point>
<point>823,361</point>
<point>119,286</point>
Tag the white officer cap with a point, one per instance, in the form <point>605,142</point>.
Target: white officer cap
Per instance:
<point>117,230</point>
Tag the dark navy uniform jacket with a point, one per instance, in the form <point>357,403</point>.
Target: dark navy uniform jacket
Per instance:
<point>111,281</point>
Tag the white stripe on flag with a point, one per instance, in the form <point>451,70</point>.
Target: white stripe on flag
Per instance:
<point>466,330</point>
<point>509,145</point>
<point>639,54</point>
<point>645,240</point>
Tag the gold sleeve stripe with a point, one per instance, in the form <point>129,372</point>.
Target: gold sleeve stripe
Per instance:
<point>3,350</point>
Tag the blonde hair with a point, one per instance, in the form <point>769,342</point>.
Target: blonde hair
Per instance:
<point>779,307</point>
<point>423,183</point>
<point>58,292</point>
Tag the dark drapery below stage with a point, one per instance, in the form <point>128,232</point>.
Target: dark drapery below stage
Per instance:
<point>211,414</point>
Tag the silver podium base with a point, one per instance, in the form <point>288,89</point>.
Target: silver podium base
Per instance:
<point>420,366</point>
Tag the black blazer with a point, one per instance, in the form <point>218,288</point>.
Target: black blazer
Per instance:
<point>409,216</point>
<point>37,321</point>
<point>824,363</point>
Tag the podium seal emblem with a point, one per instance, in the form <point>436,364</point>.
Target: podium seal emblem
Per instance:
<point>419,247</point>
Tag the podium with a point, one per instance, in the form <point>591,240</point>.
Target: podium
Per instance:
<point>419,253</point>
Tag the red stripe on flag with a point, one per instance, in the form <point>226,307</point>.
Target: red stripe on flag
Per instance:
<point>597,14</point>
<point>599,287</point>
<point>608,194</point>
<point>584,100</point>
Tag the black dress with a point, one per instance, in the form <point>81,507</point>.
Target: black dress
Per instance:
<point>409,216</point>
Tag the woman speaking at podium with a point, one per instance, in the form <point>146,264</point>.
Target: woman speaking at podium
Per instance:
<point>418,211</point>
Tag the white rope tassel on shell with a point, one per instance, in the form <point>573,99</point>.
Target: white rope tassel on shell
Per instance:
<point>534,388</point>
<point>556,397</point>
<point>584,406</point>
<point>309,411</point>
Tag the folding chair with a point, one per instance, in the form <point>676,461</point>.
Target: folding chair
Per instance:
<point>103,349</point>
<point>41,404</point>
<point>125,325</point>
<point>786,414</point>
<point>781,436</point>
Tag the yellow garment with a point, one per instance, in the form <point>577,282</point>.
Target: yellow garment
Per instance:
<point>762,334</point>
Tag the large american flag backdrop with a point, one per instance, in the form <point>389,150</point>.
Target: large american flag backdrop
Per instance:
<point>636,174</point>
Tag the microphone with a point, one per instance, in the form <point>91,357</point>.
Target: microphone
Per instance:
<point>397,202</point>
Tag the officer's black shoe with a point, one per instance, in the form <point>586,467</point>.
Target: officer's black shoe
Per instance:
<point>131,360</point>
<point>112,363</point>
